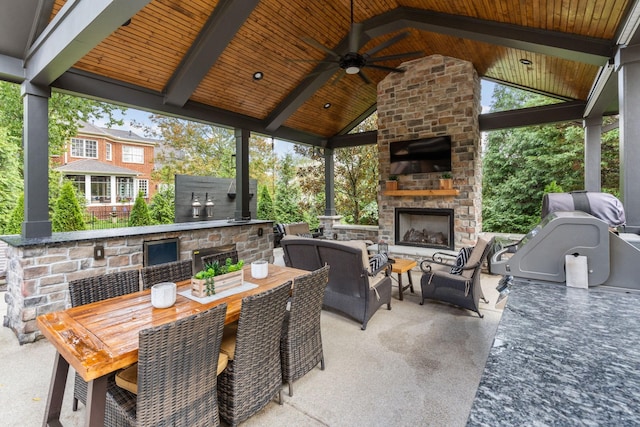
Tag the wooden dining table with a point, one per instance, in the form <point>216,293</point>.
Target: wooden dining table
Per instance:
<point>100,338</point>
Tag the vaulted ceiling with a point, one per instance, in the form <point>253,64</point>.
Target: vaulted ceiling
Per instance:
<point>197,58</point>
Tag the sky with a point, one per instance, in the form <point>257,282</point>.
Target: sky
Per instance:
<point>281,147</point>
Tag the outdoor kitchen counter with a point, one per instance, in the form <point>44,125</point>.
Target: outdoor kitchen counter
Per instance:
<point>563,356</point>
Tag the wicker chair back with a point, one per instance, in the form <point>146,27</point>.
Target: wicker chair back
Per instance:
<point>175,271</point>
<point>301,340</point>
<point>177,365</point>
<point>254,377</point>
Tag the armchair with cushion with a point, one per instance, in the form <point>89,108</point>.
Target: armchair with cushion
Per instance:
<point>354,288</point>
<point>459,283</point>
<point>300,229</point>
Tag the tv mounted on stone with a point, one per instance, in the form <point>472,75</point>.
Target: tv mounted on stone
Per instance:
<point>423,155</point>
<point>161,251</point>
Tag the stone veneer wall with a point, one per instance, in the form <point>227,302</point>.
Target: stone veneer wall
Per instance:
<point>435,96</point>
<point>38,274</point>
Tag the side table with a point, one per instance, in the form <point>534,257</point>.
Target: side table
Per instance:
<point>401,266</point>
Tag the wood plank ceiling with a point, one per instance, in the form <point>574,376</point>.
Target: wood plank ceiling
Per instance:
<point>149,51</point>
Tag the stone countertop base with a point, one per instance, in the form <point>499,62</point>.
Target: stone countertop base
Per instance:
<point>563,356</point>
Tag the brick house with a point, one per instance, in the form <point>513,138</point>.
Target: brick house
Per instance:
<point>109,167</point>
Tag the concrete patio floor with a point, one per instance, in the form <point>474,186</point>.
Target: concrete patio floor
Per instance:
<point>414,365</point>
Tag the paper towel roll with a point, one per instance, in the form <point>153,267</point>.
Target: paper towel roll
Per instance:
<point>577,271</point>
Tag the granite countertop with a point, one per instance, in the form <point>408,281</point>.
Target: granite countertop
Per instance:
<point>17,240</point>
<point>563,356</point>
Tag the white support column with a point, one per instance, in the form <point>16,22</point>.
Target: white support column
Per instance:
<point>87,188</point>
<point>114,194</point>
<point>628,68</point>
<point>592,153</point>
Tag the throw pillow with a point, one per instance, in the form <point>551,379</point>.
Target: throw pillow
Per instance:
<point>376,261</point>
<point>461,260</point>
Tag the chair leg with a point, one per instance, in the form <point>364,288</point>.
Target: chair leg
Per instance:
<point>74,408</point>
<point>290,389</point>
<point>322,363</point>
<point>280,397</point>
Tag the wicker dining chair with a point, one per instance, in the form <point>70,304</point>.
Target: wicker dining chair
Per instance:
<point>98,288</point>
<point>175,271</point>
<point>253,376</point>
<point>177,379</point>
<point>301,341</point>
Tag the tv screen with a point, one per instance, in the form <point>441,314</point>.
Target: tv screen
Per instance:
<point>421,155</point>
<point>161,251</point>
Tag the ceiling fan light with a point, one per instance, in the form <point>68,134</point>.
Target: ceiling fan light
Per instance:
<point>352,70</point>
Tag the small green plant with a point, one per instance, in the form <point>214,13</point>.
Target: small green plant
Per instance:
<point>446,175</point>
<point>213,269</point>
<point>393,177</point>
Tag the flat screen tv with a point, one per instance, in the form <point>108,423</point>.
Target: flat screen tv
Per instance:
<point>161,251</point>
<point>421,155</point>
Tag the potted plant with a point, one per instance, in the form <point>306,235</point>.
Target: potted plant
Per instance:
<point>392,182</point>
<point>216,277</point>
<point>446,182</point>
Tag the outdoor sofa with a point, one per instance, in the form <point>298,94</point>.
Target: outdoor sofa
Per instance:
<point>353,289</point>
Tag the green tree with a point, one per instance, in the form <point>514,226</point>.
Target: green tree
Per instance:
<point>191,148</point>
<point>139,213</point>
<point>66,112</point>
<point>265,204</point>
<point>287,193</point>
<point>67,214</point>
<point>14,224</point>
<point>162,209</point>
<point>356,171</point>
<point>10,178</point>
<point>520,163</point>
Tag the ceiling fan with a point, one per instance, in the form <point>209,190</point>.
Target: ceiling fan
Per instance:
<point>352,62</point>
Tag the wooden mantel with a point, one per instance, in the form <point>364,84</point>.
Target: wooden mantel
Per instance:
<point>432,193</point>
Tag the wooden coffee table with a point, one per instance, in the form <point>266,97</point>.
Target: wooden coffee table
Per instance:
<point>401,266</point>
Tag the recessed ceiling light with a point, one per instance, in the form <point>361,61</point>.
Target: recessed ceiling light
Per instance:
<point>327,105</point>
<point>258,75</point>
<point>525,61</point>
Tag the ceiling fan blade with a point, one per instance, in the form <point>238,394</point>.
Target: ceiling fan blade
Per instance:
<point>391,69</point>
<point>354,36</point>
<point>386,44</point>
<point>398,56</point>
<point>319,46</point>
<point>364,77</point>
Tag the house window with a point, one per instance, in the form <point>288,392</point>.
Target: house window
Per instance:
<point>100,189</point>
<point>87,148</point>
<point>108,151</point>
<point>125,189</point>
<point>78,182</point>
<point>143,187</point>
<point>132,154</point>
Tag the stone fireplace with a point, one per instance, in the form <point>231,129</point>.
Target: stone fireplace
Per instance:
<point>435,96</point>
<point>429,228</point>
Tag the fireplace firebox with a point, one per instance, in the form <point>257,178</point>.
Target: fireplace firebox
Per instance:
<point>424,227</point>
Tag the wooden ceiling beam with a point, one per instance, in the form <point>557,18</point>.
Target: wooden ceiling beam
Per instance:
<point>353,139</point>
<point>552,113</point>
<point>87,85</point>
<point>78,27</point>
<point>217,33</point>
<point>572,47</point>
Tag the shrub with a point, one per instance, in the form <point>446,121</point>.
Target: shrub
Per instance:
<point>139,213</point>
<point>67,214</point>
